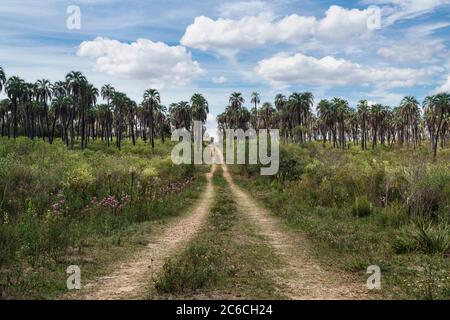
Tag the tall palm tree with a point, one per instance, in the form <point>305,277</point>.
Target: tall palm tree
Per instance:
<point>437,108</point>
<point>119,102</point>
<point>255,100</point>
<point>295,107</point>
<point>409,108</point>
<point>2,78</point>
<point>342,109</point>
<point>107,92</point>
<point>89,98</point>
<point>43,94</point>
<point>15,88</point>
<point>180,114</point>
<point>161,121</point>
<point>363,114</point>
<point>5,106</point>
<point>307,104</point>
<point>326,118</point>
<point>151,99</point>
<point>75,82</point>
<point>200,108</point>
<point>266,112</point>
<point>236,101</point>
<point>376,117</point>
<point>284,118</point>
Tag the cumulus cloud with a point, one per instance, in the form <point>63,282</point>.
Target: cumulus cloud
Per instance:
<point>444,88</point>
<point>228,36</point>
<point>144,59</point>
<point>282,70</point>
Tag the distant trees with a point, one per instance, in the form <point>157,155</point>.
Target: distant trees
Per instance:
<point>339,124</point>
<point>68,109</point>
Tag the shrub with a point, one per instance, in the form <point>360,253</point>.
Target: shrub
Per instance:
<point>433,238</point>
<point>362,207</point>
<point>395,215</point>
<point>423,237</point>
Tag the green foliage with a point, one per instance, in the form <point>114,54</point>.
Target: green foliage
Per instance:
<point>423,237</point>
<point>53,200</point>
<point>392,188</point>
<point>362,207</point>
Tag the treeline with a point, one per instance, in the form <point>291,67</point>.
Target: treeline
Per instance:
<point>338,123</point>
<point>69,110</point>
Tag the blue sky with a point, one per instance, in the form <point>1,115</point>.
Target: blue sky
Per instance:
<point>216,47</point>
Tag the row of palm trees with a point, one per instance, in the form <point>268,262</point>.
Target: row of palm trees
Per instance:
<point>68,109</point>
<point>338,123</point>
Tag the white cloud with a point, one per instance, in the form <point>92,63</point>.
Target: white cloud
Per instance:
<point>385,97</point>
<point>406,9</point>
<point>144,59</point>
<point>219,80</point>
<point>411,52</point>
<point>341,23</point>
<point>444,87</point>
<point>228,36</point>
<point>282,70</point>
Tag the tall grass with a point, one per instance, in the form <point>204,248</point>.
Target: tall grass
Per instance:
<point>387,206</point>
<point>54,201</point>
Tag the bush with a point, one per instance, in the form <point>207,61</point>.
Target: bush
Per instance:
<point>362,207</point>
<point>423,237</point>
<point>197,267</point>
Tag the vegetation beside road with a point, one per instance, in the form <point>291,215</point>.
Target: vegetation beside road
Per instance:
<point>388,207</point>
<point>59,208</point>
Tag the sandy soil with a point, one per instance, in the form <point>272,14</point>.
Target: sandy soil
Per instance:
<point>301,277</point>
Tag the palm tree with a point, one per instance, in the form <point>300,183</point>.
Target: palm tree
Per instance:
<point>266,112</point>
<point>295,107</point>
<point>326,119</point>
<point>15,88</point>
<point>236,101</point>
<point>2,78</point>
<point>119,102</point>
<point>284,118</point>
<point>363,114</point>
<point>342,108</point>
<point>255,100</point>
<point>43,94</point>
<point>107,91</point>
<point>90,94</point>
<point>151,99</point>
<point>409,108</point>
<point>180,115</point>
<point>75,82</point>
<point>376,116</point>
<point>161,121</point>
<point>5,106</point>
<point>436,108</point>
<point>199,107</point>
<point>61,106</point>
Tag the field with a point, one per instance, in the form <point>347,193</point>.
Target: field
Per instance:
<point>95,208</point>
<point>387,207</point>
<point>61,208</point>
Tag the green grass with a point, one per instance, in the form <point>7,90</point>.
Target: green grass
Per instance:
<point>338,198</point>
<point>226,260</point>
<point>59,207</point>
